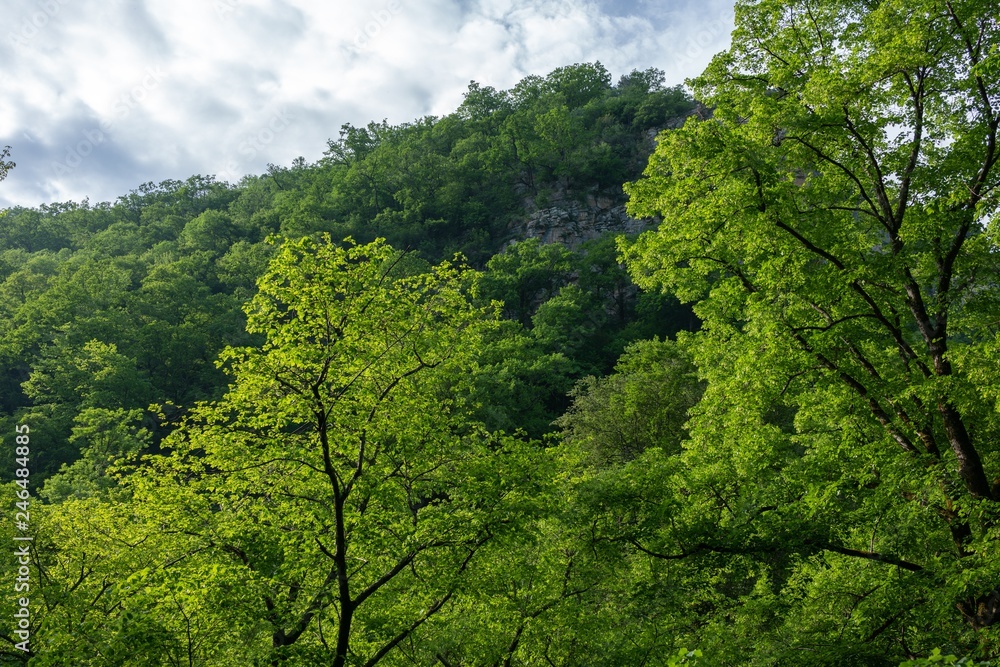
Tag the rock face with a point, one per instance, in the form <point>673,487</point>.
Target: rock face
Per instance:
<point>571,221</point>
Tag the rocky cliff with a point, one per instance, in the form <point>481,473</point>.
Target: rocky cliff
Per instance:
<point>567,217</point>
<point>570,219</point>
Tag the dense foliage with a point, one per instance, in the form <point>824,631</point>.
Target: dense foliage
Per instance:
<point>338,415</point>
<point>835,225</point>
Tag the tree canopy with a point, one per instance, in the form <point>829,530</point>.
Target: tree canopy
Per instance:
<point>833,225</point>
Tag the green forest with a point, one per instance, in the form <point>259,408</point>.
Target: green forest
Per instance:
<point>348,413</point>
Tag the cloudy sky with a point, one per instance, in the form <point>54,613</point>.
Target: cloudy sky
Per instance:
<point>99,96</point>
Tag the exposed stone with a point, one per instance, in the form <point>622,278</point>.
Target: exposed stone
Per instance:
<point>571,222</point>
<point>567,220</point>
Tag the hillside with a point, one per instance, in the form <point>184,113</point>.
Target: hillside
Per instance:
<point>109,308</point>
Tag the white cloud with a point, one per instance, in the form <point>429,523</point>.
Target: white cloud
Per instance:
<point>102,95</point>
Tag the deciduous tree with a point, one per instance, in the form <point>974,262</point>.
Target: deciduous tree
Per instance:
<point>338,473</point>
<point>831,223</point>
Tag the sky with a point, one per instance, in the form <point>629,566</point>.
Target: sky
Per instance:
<point>100,96</point>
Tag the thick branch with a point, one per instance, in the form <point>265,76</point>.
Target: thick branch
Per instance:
<point>703,547</point>
<point>433,609</point>
<point>385,578</point>
<point>876,409</point>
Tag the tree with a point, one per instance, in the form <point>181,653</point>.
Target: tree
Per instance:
<point>102,437</point>
<point>5,164</point>
<point>336,474</point>
<point>107,589</point>
<point>832,223</point>
<point>525,275</point>
<point>643,404</point>
<point>91,387</point>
